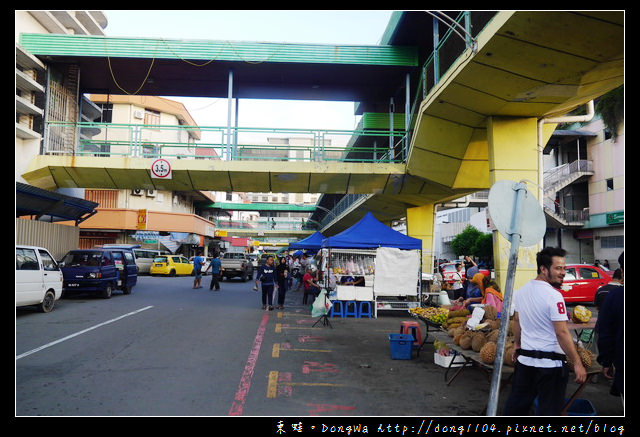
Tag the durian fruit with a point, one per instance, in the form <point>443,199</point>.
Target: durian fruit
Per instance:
<point>488,352</point>
<point>459,330</point>
<point>494,324</point>
<point>465,341</point>
<point>508,354</point>
<point>586,356</point>
<point>493,335</point>
<point>456,338</point>
<point>459,313</point>
<point>477,341</point>
<point>490,312</point>
<point>460,320</point>
<point>580,314</point>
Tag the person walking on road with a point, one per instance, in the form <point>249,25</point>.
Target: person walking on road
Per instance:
<point>216,269</point>
<point>542,341</point>
<point>197,270</point>
<point>267,275</point>
<point>282,275</point>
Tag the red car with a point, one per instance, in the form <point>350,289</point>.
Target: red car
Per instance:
<point>581,282</point>
<point>448,270</point>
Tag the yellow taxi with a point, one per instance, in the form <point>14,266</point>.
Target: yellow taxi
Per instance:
<point>171,265</point>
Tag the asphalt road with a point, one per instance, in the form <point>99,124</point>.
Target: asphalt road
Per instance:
<point>170,350</point>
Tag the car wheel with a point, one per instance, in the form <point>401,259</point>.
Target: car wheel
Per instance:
<point>106,293</point>
<point>127,289</point>
<point>244,277</point>
<point>47,304</point>
<point>172,273</point>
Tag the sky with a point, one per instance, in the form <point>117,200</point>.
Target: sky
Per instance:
<point>303,26</point>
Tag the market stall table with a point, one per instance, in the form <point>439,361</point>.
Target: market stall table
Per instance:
<point>472,359</point>
<point>579,328</point>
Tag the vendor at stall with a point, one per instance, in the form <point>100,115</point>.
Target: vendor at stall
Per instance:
<point>352,280</point>
<point>485,292</point>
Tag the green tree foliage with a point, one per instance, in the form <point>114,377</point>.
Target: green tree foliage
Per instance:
<point>464,242</point>
<point>484,246</point>
<point>473,242</point>
<point>611,108</point>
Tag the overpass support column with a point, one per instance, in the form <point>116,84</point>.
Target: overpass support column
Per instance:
<point>420,221</point>
<point>513,155</point>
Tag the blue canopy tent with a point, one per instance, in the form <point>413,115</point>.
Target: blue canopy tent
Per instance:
<point>369,233</point>
<point>312,242</point>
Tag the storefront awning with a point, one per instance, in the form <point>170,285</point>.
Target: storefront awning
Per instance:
<point>51,206</point>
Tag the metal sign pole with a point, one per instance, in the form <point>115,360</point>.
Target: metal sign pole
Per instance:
<point>514,239</point>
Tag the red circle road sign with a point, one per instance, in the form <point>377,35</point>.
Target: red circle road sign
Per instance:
<point>161,168</point>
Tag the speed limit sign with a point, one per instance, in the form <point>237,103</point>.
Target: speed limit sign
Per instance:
<point>161,169</point>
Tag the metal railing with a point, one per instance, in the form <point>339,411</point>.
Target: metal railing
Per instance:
<point>266,225</point>
<point>218,142</point>
<point>564,171</point>
<point>569,216</point>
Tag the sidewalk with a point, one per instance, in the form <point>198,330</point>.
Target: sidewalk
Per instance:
<point>377,385</point>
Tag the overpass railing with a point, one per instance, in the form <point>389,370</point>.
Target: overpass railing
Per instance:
<point>216,142</point>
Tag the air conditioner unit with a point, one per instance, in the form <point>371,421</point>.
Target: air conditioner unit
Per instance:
<point>138,114</point>
<point>151,193</point>
<point>136,192</point>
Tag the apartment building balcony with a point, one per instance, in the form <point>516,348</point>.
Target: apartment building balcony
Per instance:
<point>562,176</point>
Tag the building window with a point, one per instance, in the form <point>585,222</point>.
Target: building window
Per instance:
<point>151,117</point>
<point>150,151</point>
<point>107,112</point>
<point>612,242</point>
<point>610,184</point>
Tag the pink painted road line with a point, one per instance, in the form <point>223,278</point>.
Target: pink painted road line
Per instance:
<point>245,382</point>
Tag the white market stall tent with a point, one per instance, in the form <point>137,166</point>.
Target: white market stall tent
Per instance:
<point>388,260</point>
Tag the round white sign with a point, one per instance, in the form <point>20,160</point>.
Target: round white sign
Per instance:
<point>161,169</point>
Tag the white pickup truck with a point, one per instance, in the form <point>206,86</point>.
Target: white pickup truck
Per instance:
<point>237,264</point>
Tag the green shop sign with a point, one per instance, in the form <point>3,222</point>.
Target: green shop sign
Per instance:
<point>615,218</point>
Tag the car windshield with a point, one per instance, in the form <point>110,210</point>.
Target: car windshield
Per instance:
<point>160,259</point>
<point>77,259</point>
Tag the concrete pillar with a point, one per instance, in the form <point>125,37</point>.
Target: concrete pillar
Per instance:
<point>420,224</point>
<point>513,155</point>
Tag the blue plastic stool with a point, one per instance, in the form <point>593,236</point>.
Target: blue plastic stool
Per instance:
<point>348,312</point>
<point>340,310</point>
<point>361,309</point>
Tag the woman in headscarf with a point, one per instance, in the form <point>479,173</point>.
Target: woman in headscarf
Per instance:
<point>488,293</point>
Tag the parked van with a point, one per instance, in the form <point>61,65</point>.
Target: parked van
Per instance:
<point>38,278</point>
<point>99,270</point>
<point>145,257</point>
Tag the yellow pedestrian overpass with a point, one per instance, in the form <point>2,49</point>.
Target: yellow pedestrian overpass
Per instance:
<point>476,105</point>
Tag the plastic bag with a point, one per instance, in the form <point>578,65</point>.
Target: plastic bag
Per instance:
<point>321,305</point>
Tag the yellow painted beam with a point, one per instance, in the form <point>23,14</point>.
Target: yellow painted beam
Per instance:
<point>50,172</point>
<point>420,224</point>
<point>513,155</point>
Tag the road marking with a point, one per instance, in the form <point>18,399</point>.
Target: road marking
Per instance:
<point>32,351</point>
<point>245,382</point>
<point>277,382</point>
<point>328,408</point>
<point>277,347</point>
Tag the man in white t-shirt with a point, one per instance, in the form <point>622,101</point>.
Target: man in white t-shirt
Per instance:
<point>457,288</point>
<point>542,341</point>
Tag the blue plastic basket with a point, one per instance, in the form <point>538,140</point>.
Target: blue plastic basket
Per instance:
<point>579,407</point>
<point>401,345</point>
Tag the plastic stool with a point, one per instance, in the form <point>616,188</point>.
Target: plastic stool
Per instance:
<point>361,310</point>
<point>413,328</point>
<point>340,310</point>
<point>347,311</point>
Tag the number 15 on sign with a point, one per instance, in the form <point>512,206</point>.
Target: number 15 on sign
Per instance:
<point>161,169</point>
